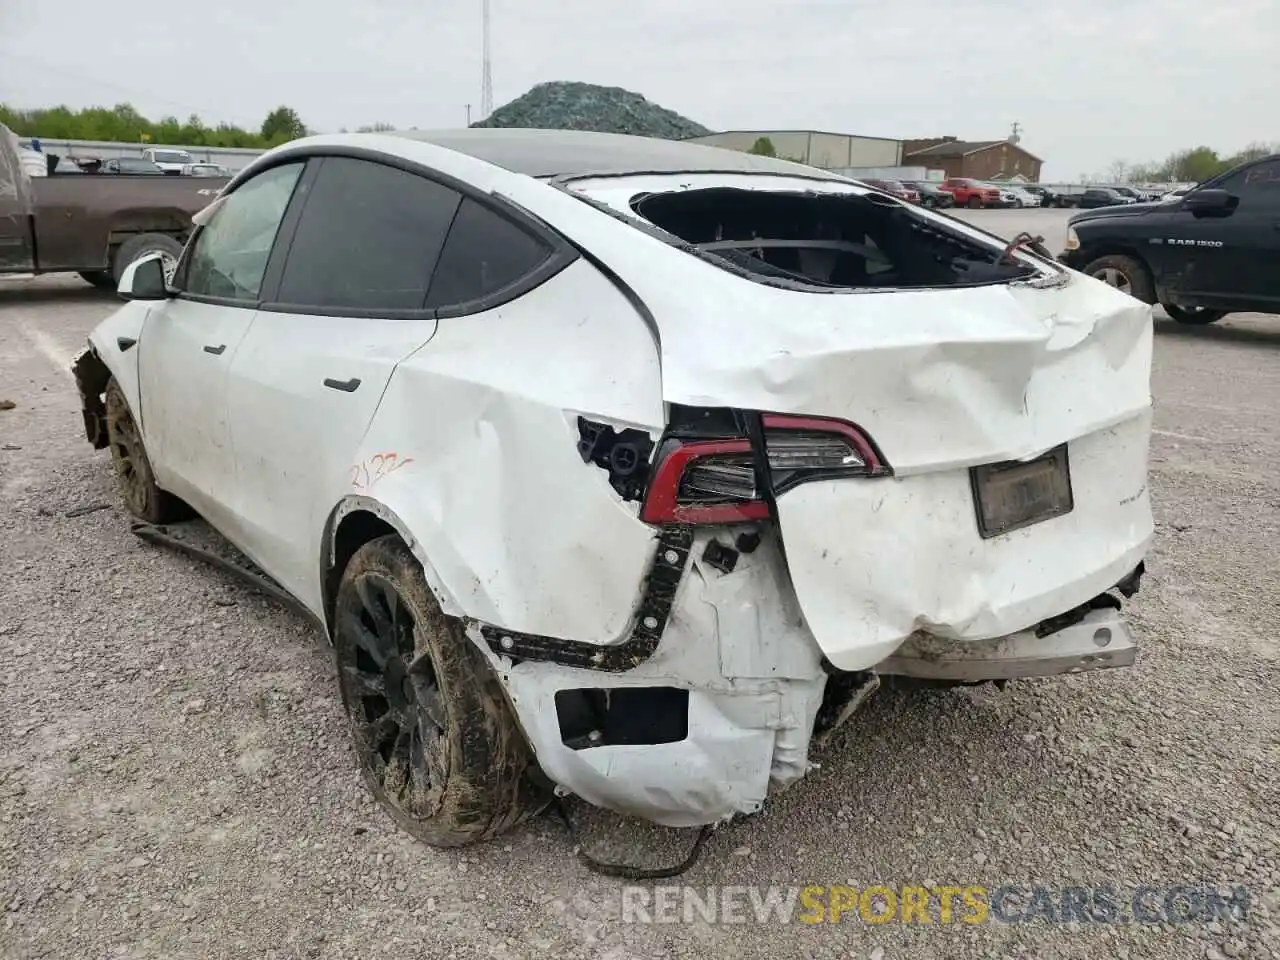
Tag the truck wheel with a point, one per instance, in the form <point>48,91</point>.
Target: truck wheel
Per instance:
<point>136,482</point>
<point>1198,316</point>
<point>975,203</point>
<point>438,743</point>
<point>141,245</point>
<point>1125,274</point>
<point>102,279</point>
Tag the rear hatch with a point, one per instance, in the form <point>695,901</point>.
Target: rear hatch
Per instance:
<point>1008,399</point>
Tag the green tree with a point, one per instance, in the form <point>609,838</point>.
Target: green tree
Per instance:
<point>378,127</point>
<point>763,147</point>
<point>282,125</point>
<point>123,124</point>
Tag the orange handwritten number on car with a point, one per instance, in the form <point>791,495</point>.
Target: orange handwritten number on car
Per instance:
<point>365,475</point>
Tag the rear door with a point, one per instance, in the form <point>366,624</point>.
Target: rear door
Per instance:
<point>348,305</point>
<point>188,343</point>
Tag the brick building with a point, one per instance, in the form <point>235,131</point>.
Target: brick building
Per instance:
<point>979,159</point>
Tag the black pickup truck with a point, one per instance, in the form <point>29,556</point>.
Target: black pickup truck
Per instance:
<point>1214,251</point>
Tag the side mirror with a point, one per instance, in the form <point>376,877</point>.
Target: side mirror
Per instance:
<point>1209,202</point>
<point>144,279</point>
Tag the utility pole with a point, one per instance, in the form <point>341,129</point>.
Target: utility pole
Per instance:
<point>468,114</point>
<point>486,81</point>
<point>1015,132</point>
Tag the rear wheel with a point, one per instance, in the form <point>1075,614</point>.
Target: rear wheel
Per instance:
<point>438,743</point>
<point>1199,316</point>
<point>143,244</point>
<point>1125,274</point>
<point>134,479</point>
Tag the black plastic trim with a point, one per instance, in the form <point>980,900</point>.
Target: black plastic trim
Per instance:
<point>670,558</point>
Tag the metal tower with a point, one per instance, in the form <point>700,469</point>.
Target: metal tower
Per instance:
<point>486,83</point>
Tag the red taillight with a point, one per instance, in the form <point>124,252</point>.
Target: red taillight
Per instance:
<point>716,481</point>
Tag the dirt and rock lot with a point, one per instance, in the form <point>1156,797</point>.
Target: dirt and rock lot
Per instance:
<point>176,779</point>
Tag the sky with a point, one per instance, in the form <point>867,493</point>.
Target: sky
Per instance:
<point>1090,81</point>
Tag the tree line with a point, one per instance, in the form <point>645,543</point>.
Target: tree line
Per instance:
<point>124,124</point>
<point>1194,164</point>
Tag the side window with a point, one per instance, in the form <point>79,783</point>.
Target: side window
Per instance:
<point>485,253</point>
<point>1257,186</point>
<point>229,255</point>
<point>368,238</point>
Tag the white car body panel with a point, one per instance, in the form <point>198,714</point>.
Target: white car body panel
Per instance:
<point>127,323</point>
<point>517,530</point>
<point>466,442</point>
<point>295,439</point>
<point>183,396</point>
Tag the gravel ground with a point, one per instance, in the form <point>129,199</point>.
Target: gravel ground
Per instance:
<point>176,780</point>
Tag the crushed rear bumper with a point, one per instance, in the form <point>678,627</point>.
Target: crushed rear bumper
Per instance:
<point>1099,641</point>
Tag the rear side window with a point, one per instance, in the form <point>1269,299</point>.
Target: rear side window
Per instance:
<point>368,239</point>
<point>485,253</point>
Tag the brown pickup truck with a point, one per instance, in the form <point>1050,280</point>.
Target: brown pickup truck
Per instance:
<point>92,224</point>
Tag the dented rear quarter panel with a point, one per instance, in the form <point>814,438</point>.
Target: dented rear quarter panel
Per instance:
<point>514,528</point>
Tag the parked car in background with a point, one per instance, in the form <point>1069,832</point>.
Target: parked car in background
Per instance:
<point>1102,197</point>
<point>133,166</point>
<point>1201,256</point>
<point>971,193</point>
<point>1046,196</point>
<point>205,170</point>
<point>1021,197</point>
<point>169,161</point>
<point>895,187</point>
<point>932,195</point>
<point>579,581</point>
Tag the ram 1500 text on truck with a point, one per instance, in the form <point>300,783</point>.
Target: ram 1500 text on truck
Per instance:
<point>92,224</point>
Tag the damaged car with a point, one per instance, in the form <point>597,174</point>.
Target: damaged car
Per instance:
<point>625,468</point>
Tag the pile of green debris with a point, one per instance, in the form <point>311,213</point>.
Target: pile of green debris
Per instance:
<point>586,106</point>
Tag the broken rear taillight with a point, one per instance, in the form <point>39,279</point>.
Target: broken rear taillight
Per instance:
<point>716,481</point>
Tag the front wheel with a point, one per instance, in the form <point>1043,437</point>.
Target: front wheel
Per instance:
<point>438,742</point>
<point>975,203</point>
<point>1198,316</point>
<point>1125,274</point>
<point>134,478</point>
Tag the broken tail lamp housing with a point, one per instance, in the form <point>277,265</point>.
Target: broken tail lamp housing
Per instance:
<point>717,481</point>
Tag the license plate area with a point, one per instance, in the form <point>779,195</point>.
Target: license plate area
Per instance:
<point>1016,494</point>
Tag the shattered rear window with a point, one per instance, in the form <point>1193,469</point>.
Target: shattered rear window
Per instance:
<point>827,240</point>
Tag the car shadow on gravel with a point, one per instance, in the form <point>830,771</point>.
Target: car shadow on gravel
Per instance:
<point>23,294</point>
<point>1220,333</point>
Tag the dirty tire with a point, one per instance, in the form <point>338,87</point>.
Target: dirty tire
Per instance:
<point>1124,273</point>
<point>975,203</point>
<point>929,202</point>
<point>134,477</point>
<point>143,244</point>
<point>437,741</point>
<point>1201,317</point>
<point>102,279</point>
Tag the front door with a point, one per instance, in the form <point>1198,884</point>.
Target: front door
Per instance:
<point>1234,260</point>
<point>188,343</point>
